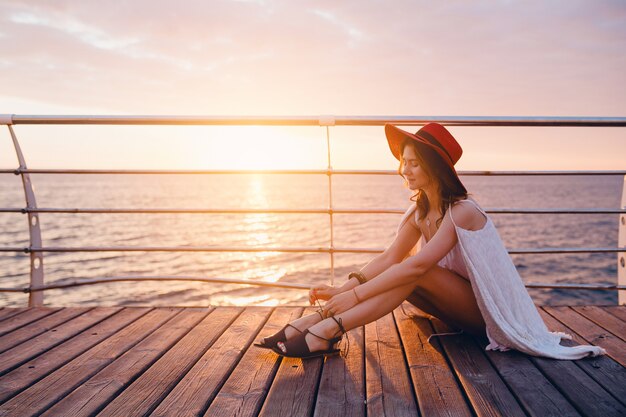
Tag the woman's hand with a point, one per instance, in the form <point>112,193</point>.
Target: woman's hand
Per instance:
<point>322,292</point>
<point>340,303</point>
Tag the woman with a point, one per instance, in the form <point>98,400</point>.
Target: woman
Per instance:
<point>462,275</point>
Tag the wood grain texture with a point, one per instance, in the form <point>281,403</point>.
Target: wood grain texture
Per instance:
<point>195,391</point>
<point>388,387</point>
<point>581,390</point>
<point>293,389</point>
<point>341,390</point>
<point>437,391</point>
<point>604,370</point>
<point>617,311</point>
<point>603,319</point>
<point>6,313</point>
<point>487,392</point>
<point>25,318</point>
<point>37,368</point>
<point>17,355</point>
<point>96,392</point>
<point>537,395</point>
<point>194,361</point>
<point>43,394</point>
<point>147,391</point>
<point>37,327</point>
<point>246,388</point>
<point>596,335</point>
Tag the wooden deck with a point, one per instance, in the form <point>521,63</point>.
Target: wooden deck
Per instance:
<point>200,362</point>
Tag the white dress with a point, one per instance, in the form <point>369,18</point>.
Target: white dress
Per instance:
<point>510,315</point>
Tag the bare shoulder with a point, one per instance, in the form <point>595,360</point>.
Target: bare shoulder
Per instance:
<point>467,216</point>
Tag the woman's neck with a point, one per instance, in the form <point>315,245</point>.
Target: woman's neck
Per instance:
<point>433,199</point>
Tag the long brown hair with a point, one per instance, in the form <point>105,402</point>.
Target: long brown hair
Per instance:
<point>451,189</point>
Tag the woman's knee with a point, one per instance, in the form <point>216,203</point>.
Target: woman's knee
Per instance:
<point>422,284</point>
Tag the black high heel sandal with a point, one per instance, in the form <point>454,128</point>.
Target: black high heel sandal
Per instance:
<point>270,342</point>
<point>296,347</point>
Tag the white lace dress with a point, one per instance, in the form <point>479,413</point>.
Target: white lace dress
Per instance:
<point>510,315</point>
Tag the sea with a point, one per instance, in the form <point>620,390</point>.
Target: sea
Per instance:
<point>268,191</point>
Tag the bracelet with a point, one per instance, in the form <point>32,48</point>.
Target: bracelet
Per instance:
<point>359,276</point>
<point>358,300</point>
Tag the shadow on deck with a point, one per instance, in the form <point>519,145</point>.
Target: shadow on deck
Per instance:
<point>113,361</point>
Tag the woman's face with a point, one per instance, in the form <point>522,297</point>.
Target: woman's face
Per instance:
<point>412,172</point>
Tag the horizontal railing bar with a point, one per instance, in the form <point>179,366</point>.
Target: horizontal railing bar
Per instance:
<point>319,120</point>
<point>180,171</point>
<point>18,171</point>
<point>203,211</point>
<point>176,278</point>
<point>195,249</point>
<point>278,249</point>
<point>92,281</point>
<point>600,287</point>
<point>294,211</point>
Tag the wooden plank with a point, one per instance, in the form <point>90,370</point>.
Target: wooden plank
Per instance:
<point>617,311</point>
<point>243,393</point>
<point>192,395</point>
<point>17,355</point>
<point>387,384</point>
<point>147,391</point>
<point>6,313</point>
<point>596,335</point>
<point>342,391</point>
<point>98,391</point>
<point>604,319</point>
<point>582,391</point>
<point>293,391</point>
<point>35,369</point>
<point>604,370</point>
<point>25,318</point>
<point>38,327</point>
<point>537,395</point>
<point>42,395</point>
<point>487,392</point>
<point>437,391</point>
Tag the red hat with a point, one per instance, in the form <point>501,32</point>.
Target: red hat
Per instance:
<point>433,135</point>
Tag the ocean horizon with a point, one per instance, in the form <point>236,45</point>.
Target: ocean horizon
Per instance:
<point>266,191</point>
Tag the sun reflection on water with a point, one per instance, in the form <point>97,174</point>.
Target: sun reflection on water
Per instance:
<point>257,228</point>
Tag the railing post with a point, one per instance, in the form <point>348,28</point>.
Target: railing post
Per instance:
<point>330,121</point>
<point>621,256</point>
<point>35,298</point>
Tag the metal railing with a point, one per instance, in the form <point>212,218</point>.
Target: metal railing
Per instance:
<point>36,249</point>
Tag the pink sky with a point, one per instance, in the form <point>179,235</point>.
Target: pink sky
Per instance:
<point>457,58</point>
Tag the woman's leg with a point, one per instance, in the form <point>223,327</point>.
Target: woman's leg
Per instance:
<point>449,297</point>
<point>445,295</point>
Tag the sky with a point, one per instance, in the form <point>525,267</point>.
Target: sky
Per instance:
<point>287,58</point>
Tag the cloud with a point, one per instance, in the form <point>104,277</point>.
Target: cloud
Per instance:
<point>355,57</point>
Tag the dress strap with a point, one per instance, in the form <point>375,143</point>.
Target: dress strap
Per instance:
<point>468,200</point>
<point>405,217</point>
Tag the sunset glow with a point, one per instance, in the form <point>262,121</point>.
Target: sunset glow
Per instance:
<point>499,58</point>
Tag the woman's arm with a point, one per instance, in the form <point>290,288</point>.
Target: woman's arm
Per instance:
<point>414,266</point>
<point>405,240</point>
<point>466,216</point>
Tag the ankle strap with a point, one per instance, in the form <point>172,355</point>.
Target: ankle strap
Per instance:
<point>340,324</point>
<point>319,337</point>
